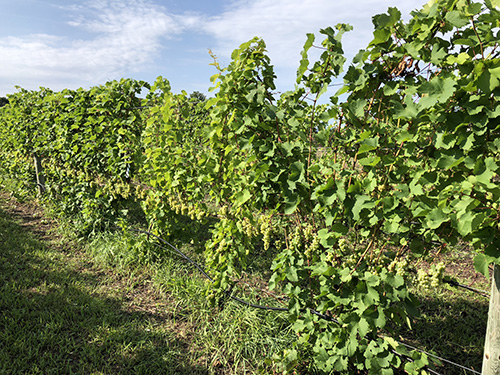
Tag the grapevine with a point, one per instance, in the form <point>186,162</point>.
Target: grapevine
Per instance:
<point>343,195</point>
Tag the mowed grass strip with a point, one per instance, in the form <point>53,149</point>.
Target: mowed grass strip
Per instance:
<point>62,314</point>
<point>118,304</point>
<point>125,306</point>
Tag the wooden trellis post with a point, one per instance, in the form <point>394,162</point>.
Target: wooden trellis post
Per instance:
<point>491,358</point>
<point>40,179</point>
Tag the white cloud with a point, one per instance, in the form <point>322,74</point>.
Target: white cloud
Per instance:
<point>283,24</point>
<point>122,36</point>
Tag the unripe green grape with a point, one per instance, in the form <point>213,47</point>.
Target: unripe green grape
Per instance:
<point>295,241</point>
<point>279,244</point>
<point>342,244</point>
<point>308,233</point>
<point>329,256</point>
<point>349,261</point>
<point>184,209</point>
<point>313,247</point>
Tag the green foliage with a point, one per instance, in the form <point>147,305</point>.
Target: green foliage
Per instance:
<point>343,195</point>
<point>89,142</point>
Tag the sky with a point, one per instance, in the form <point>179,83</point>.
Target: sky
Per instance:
<point>70,44</point>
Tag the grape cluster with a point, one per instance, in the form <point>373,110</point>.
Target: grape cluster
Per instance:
<point>140,192</point>
<point>350,260</point>
<point>223,212</point>
<point>431,278</point>
<point>349,257</point>
<point>221,247</point>
<point>183,207</point>
<point>174,204</point>
<point>311,241</point>
<point>114,190</point>
<point>335,257</point>
<point>308,232</point>
<point>295,240</point>
<point>248,228</point>
<point>266,229</point>
<point>122,190</point>
<point>331,257</point>
<point>216,246</point>
<point>313,248</point>
<point>400,267</point>
<point>279,243</point>
<point>343,245</point>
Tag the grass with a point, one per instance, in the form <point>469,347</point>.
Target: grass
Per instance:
<point>234,339</point>
<point>120,305</point>
<point>58,315</point>
<point>453,320</point>
<point>112,310</point>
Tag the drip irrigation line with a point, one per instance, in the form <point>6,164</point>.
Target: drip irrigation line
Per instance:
<point>257,306</point>
<point>204,273</point>
<point>229,295</point>
<point>246,303</point>
<point>270,294</point>
<point>484,293</point>
<point>175,249</point>
<point>271,308</point>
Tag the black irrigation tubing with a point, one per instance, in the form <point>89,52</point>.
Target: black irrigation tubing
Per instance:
<point>258,306</point>
<point>454,283</point>
<point>317,313</point>
<point>262,307</point>
<point>175,249</point>
<point>228,292</point>
<point>203,272</point>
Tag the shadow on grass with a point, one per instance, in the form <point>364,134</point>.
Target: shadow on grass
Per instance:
<point>453,326</point>
<point>54,319</point>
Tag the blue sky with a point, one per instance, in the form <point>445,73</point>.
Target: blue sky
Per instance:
<point>69,44</point>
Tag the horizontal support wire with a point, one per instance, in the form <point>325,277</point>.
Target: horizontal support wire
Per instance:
<point>439,358</point>
<point>314,312</point>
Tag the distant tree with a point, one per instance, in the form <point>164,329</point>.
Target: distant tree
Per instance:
<point>198,96</point>
<point>3,101</point>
